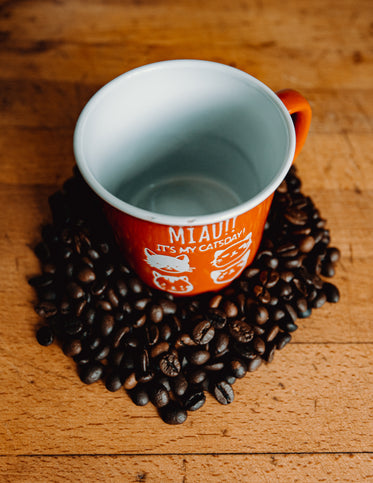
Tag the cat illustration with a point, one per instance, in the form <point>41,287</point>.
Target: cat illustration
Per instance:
<point>227,274</point>
<point>178,285</point>
<point>232,254</point>
<point>167,264</point>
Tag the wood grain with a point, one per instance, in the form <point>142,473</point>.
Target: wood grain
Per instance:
<point>306,417</point>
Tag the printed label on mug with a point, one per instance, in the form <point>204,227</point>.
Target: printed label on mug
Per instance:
<point>228,250</point>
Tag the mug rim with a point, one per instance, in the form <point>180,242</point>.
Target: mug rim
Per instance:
<point>174,220</point>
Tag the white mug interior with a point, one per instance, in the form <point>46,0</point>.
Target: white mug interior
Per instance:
<point>184,142</point>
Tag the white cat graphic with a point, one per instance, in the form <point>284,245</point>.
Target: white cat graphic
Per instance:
<point>231,261</point>
<point>178,285</point>
<point>166,263</point>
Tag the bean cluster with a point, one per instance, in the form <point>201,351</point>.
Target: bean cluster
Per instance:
<point>167,350</point>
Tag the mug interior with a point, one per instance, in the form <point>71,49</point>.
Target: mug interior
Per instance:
<point>184,140</point>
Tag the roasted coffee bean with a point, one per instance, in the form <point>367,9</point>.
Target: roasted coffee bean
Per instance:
<point>306,244</point>
<point>151,334</point>
<point>254,364</point>
<point>220,344</point>
<point>331,292</point>
<point>333,254</point>
<point>198,357</point>
<point>223,392</point>
<point>159,396</point>
<point>238,367</point>
<point>155,313</point>
<point>203,332</point>
<point>197,376</point>
<point>194,399</point>
<point>119,335</point>
<point>130,381</point>
<point>98,287</point>
<point>72,326</point>
<point>112,298</point>
<point>40,281</point>
<point>270,353</point>
<point>91,372</point>
<point>72,347</point>
<point>217,317</point>
<point>139,395</point>
<point>319,300</point>
<point>230,309</point>
<point>159,349</point>
<point>113,382</point>
<point>46,309</point>
<point>170,365</point>
<point>74,290</point>
<point>328,269</point>
<point>179,384</point>
<point>261,315</point>
<point>165,331</point>
<point>215,365</point>
<point>169,307</point>
<point>135,285</point>
<point>86,275</point>
<point>282,339</point>
<point>45,336</point>
<point>101,352</point>
<point>104,305</point>
<point>241,331</point>
<point>107,324</point>
<point>173,413</point>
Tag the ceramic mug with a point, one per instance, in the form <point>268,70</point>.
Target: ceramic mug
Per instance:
<point>186,155</point>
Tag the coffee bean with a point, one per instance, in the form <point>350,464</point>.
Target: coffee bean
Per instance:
<point>179,384</point>
<point>113,382</point>
<point>320,300</point>
<point>46,309</point>
<point>156,313</point>
<point>107,324</point>
<point>223,392</point>
<point>215,301</point>
<point>159,349</point>
<point>306,244</point>
<point>217,317</point>
<point>194,399</point>
<point>98,287</point>
<point>119,335</point>
<point>91,372</point>
<point>173,413</point>
<point>241,331</point>
<point>198,357</point>
<point>259,344</point>
<point>220,344</point>
<point>74,290</point>
<point>169,307</point>
<point>203,332</point>
<point>139,395</point>
<point>197,376</point>
<point>45,336</point>
<point>253,364</point>
<point>331,292</point>
<point>86,275</point>
<point>112,298</point>
<point>170,365</point>
<point>159,396</point>
<point>230,309</point>
<point>327,269</point>
<point>130,381</point>
<point>238,368</point>
<point>282,339</point>
<point>101,352</point>
<point>72,347</point>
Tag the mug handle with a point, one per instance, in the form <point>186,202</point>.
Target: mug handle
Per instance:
<point>300,110</point>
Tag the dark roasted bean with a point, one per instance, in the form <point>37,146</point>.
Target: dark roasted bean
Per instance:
<point>254,364</point>
<point>203,332</point>
<point>113,382</point>
<point>72,347</point>
<point>86,275</point>
<point>107,324</point>
<point>45,336</point>
<point>331,292</point>
<point>241,331</point>
<point>238,367</point>
<point>282,339</point>
<point>91,372</point>
<point>217,317</point>
<point>179,384</point>
<point>194,399</point>
<point>173,413</point>
<point>198,357</point>
<point>46,309</point>
<point>139,395</point>
<point>159,396</point>
<point>223,392</point>
<point>170,365</point>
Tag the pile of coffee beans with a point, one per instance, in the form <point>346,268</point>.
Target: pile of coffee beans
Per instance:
<point>169,350</point>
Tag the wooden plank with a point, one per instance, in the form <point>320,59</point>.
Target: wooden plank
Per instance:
<point>57,104</point>
<point>125,36</point>
<point>312,398</point>
<point>287,468</point>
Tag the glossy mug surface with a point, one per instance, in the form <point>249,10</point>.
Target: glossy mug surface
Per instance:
<point>186,156</point>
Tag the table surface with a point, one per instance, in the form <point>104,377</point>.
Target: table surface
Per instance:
<point>305,417</point>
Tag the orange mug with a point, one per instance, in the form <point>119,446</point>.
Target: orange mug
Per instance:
<point>186,155</point>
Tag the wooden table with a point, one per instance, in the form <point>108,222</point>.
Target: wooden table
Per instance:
<point>305,417</point>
